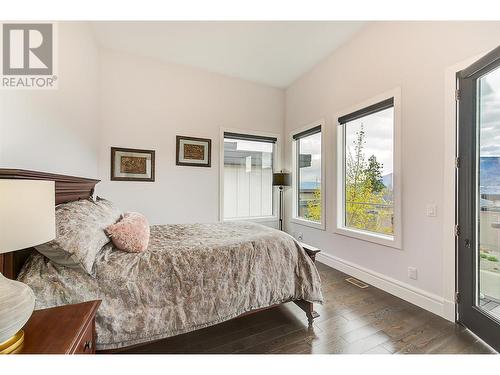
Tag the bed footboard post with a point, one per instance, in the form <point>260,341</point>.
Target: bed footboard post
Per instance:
<point>308,307</point>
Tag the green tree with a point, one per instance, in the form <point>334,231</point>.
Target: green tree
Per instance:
<point>374,174</point>
<point>314,206</point>
<point>366,207</point>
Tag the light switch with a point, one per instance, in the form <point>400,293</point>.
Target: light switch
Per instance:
<point>431,210</point>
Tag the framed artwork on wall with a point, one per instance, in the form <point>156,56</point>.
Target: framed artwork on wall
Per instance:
<point>193,152</point>
<point>129,164</point>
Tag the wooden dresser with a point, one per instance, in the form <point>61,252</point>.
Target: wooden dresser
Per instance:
<point>68,329</point>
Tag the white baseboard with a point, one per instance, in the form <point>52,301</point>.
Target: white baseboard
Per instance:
<point>419,297</point>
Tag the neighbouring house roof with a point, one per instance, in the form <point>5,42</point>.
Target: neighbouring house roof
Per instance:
<point>232,156</point>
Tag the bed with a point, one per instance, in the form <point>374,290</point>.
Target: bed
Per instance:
<point>191,276</point>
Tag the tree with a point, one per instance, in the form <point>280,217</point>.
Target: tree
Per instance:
<point>366,207</point>
<point>314,206</point>
<point>374,174</point>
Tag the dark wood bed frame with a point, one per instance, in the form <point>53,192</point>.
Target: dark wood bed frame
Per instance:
<point>68,189</point>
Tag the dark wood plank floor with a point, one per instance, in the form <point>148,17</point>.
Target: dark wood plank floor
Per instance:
<point>352,320</point>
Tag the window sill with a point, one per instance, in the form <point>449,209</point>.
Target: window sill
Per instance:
<point>379,239</point>
<point>308,223</point>
<point>257,219</point>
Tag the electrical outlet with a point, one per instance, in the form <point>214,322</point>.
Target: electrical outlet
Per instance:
<point>300,236</point>
<point>412,273</point>
<point>431,210</point>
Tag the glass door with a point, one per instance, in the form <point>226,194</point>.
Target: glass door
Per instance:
<point>478,231</point>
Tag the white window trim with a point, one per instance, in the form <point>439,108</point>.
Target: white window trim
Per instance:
<point>396,240</point>
<point>295,218</point>
<point>276,167</point>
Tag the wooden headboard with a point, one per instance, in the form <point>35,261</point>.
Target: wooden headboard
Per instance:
<point>68,189</point>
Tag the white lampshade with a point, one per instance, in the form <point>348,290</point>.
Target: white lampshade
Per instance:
<point>27,213</point>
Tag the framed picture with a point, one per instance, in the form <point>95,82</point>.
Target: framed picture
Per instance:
<point>194,152</point>
<point>129,164</point>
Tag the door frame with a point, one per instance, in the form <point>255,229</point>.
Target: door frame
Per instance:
<point>450,186</point>
<point>468,313</point>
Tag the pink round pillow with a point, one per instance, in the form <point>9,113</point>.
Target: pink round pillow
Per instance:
<point>131,233</point>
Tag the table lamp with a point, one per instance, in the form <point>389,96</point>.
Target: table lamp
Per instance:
<point>281,179</point>
<point>27,218</point>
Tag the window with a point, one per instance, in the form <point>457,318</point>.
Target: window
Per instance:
<point>308,174</point>
<point>367,204</point>
<point>248,176</point>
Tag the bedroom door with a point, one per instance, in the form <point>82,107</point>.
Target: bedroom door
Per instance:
<point>478,203</point>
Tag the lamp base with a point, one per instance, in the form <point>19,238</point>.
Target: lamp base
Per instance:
<point>16,306</point>
<point>12,345</point>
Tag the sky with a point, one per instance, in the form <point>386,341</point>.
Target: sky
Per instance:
<point>311,145</point>
<point>242,145</point>
<point>379,142</point>
<point>379,130</point>
<point>490,114</point>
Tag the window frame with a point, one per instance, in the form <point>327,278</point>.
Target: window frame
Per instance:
<point>295,175</point>
<point>276,167</point>
<point>395,241</point>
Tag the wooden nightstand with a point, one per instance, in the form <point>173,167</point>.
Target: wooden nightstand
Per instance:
<point>68,329</point>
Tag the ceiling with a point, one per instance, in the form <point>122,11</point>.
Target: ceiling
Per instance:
<point>272,53</point>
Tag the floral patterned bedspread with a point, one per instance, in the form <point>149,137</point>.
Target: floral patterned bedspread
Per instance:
<point>191,276</point>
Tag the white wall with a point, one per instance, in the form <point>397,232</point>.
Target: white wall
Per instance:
<point>145,104</point>
<point>413,56</point>
<point>56,130</point>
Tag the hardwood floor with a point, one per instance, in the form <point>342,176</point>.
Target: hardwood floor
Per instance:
<point>352,320</point>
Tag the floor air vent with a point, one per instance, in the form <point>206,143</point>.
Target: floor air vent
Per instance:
<point>357,282</point>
